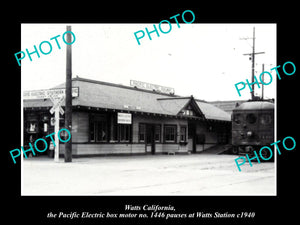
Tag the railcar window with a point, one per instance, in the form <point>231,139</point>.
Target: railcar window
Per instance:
<point>251,118</point>
<point>237,118</point>
<point>265,119</point>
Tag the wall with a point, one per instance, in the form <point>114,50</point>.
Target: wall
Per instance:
<point>80,137</point>
<point>82,146</point>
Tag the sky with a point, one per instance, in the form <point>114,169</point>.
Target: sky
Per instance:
<point>203,60</point>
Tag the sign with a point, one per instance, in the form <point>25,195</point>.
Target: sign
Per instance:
<point>151,87</point>
<point>124,118</point>
<point>57,104</point>
<point>43,94</point>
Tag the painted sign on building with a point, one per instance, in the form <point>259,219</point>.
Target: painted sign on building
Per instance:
<point>151,87</point>
<point>43,94</point>
<point>124,118</point>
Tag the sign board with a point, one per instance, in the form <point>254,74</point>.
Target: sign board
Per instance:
<point>57,104</point>
<point>151,87</point>
<point>43,94</point>
<point>124,118</point>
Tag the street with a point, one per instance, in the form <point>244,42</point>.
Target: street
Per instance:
<point>195,174</point>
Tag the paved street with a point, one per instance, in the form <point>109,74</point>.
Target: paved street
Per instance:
<point>195,174</point>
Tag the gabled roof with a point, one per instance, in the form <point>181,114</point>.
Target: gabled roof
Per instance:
<point>119,97</point>
<point>212,112</point>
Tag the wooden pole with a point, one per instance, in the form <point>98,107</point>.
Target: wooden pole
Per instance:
<point>68,115</point>
<point>56,129</point>
<point>253,63</point>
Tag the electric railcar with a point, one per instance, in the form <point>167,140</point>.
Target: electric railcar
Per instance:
<point>252,127</point>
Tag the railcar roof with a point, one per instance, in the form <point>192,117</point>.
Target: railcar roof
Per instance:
<point>255,105</point>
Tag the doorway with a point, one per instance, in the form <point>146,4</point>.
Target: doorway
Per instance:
<point>150,138</point>
<point>192,137</point>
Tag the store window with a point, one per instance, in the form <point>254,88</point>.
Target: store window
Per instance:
<point>183,133</point>
<point>170,133</point>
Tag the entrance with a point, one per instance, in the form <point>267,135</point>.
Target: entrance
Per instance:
<point>150,138</point>
<point>192,137</point>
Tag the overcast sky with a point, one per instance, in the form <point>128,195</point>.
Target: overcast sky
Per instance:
<point>203,60</point>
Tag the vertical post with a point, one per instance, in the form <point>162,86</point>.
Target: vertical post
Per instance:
<point>68,115</point>
<point>253,64</point>
<point>263,80</point>
<point>56,129</point>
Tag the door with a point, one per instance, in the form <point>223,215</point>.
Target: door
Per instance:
<point>150,140</point>
<point>192,138</point>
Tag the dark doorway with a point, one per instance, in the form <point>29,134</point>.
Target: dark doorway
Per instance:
<point>150,138</point>
<point>192,137</point>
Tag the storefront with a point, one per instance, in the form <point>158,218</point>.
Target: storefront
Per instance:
<point>115,119</point>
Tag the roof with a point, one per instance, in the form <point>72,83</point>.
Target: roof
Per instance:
<point>228,105</point>
<point>212,112</point>
<point>255,105</point>
<point>119,97</point>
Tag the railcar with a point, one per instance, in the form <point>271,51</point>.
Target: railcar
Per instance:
<point>252,127</point>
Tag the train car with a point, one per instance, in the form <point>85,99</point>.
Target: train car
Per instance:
<point>252,127</point>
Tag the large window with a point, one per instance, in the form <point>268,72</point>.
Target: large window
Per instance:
<point>124,132</point>
<point>170,133</point>
<point>98,128</point>
<point>147,129</point>
<point>104,128</point>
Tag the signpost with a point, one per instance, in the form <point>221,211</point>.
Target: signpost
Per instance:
<point>56,109</point>
<point>57,97</point>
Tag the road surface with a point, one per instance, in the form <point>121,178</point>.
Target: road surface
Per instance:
<point>195,174</point>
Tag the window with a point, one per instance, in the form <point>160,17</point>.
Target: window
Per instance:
<point>251,118</point>
<point>124,131</point>
<point>32,127</point>
<point>157,133</point>
<point>188,112</point>
<point>142,132</point>
<point>183,134</point>
<point>265,119</point>
<point>237,118</point>
<point>170,133</point>
<point>146,129</point>
<point>98,128</point>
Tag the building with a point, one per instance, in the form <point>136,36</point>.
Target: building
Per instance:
<point>116,119</point>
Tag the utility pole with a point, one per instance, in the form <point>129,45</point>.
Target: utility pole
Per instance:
<point>68,116</point>
<point>253,60</point>
<point>263,76</point>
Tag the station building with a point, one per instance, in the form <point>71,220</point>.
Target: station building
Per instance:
<point>117,119</point>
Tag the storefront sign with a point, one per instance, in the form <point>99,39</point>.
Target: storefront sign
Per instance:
<point>151,87</point>
<point>43,94</point>
<point>124,118</point>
